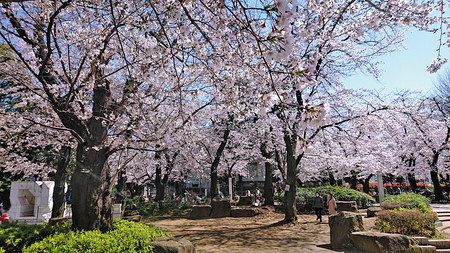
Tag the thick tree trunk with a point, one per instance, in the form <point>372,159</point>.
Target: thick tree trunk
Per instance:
<point>290,214</point>
<point>214,187</point>
<point>332,179</point>
<point>438,195</point>
<point>268,177</point>
<point>412,182</point>
<point>353,181</point>
<point>268,184</point>
<point>159,185</point>
<point>60,182</point>
<point>91,182</point>
<point>366,184</point>
<point>436,185</point>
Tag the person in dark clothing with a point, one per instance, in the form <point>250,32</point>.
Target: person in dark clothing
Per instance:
<point>318,206</point>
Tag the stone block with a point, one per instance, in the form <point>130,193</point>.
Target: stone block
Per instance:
<point>245,201</point>
<point>117,211</point>
<point>172,245</point>
<point>372,211</point>
<point>220,208</point>
<point>31,201</point>
<point>200,212</point>
<point>244,212</point>
<point>347,206</point>
<point>374,242</point>
<point>341,227</point>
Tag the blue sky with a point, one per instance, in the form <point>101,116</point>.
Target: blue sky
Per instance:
<point>405,68</point>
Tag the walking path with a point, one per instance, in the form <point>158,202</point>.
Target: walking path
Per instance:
<point>252,235</point>
<point>443,212</point>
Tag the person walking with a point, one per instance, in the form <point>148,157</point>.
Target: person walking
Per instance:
<point>332,206</point>
<point>318,206</point>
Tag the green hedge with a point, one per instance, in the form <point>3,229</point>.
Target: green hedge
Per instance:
<point>407,201</point>
<point>13,236</point>
<point>407,222</point>
<point>127,237</point>
<point>306,195</point>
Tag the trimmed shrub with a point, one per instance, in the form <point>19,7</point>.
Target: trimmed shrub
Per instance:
<point>407,201</point>
<point>306,196</point>
<point>407,222</point>
<point>13,236</point>
<point>127,237</point>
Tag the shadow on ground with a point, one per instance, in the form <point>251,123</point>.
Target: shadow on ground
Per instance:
<point>256,234</point>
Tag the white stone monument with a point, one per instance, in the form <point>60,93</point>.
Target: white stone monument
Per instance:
<point>31,201</point>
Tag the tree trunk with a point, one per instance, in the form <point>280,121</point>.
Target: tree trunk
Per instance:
<point>412,182</point>
<point>290,214</point>
<point>353,181</point>
<point>366,185</point>
<point>332,179</point>
<point>91,190</point>
<point>60,182</point>
<point>268,184</point>
<point>436,185</point>
<point>159,185</point>
<point>268,177</point>
<point>214,188</point>
<point>121,186</point>
<point>435,178</point>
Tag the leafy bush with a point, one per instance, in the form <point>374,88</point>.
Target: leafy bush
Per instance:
<point>126,237</point>
<point>13,236</point>
<point>407,201</point>
<point>2,250</point>
<point>407,222</point>
<point>306,195</point>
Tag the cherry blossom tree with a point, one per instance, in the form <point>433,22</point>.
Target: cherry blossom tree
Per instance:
<point>96,65</point>
<point>102,69</point>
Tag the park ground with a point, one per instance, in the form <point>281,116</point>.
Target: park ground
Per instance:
<point>255,234</point>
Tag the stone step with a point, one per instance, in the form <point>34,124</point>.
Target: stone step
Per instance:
<point>444,218</point>
<point>440,244</point>
<point>419,240</point>
<point>442,251</point>
<point>423,249</point>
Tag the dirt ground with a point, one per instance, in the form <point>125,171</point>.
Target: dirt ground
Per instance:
<point>257,234</point>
